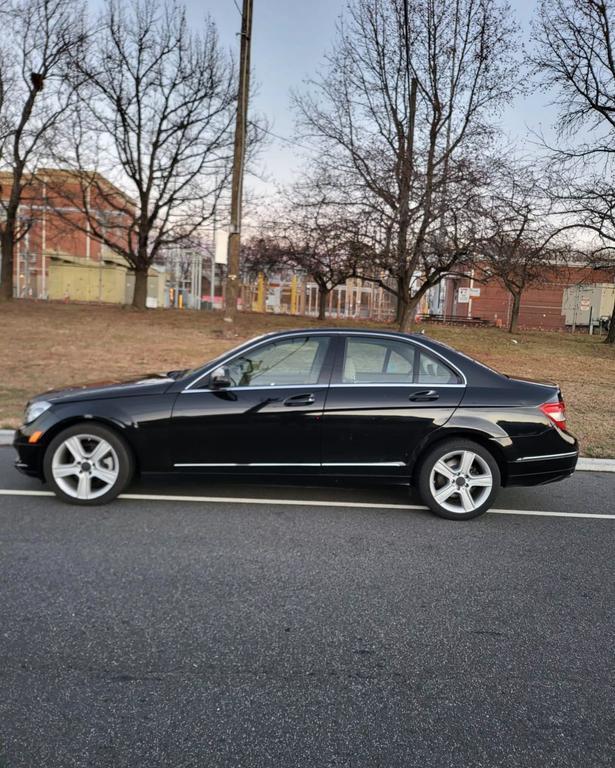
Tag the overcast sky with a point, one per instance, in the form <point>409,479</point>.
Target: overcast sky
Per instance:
<point>288,43</point>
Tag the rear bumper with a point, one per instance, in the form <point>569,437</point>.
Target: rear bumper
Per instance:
<point>542,469</point>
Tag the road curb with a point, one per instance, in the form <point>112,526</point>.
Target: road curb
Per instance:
<point>596,465</point>
<point>587,465</point>
<point>6,436</point>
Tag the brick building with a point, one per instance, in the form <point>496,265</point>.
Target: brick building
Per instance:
<point>541,304</point>
<point>58,257</point>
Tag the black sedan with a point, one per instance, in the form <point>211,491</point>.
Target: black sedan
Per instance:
<point>344,403</point>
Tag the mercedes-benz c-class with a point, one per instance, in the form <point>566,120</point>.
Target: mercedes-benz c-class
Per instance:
<point>384,406</point>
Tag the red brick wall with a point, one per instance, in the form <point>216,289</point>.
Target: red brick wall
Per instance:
<point>53,232</point>
<point>541,305</point>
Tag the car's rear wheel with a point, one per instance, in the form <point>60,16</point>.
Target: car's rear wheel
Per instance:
<point>87,464</point>
<point>459,479</point>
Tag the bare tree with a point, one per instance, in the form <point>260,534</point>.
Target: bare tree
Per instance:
<point>311,238</point>
<point>155,109</point>
<point>447,249</point>
<point>327,253</point>
<point>401,110</point>
<point>262,253</point>
<point>37,38</point>
<point>519,244</point>
<point>576,58</point>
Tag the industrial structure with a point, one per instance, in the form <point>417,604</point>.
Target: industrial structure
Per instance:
<point>298,294</point>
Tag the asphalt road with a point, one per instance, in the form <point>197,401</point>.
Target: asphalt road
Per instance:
<point>153,633</point>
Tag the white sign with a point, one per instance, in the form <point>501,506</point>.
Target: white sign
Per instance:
<point>463,295</point>
<point>474,292</point>
<point>585,304</point>
<point>221,238</point>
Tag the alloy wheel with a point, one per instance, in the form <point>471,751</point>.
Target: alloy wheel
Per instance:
<point>85,466</point>
<point>460,481</point>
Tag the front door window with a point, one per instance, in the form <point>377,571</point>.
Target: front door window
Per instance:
<point>289,362</point>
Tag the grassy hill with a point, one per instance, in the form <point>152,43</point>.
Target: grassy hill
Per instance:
<point>45,345</point>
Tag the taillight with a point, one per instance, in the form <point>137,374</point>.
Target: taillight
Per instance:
<point>556,412</point>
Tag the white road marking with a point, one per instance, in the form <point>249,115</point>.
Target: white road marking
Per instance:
<point>9,492</point>
<point>541,513</point>
<point>312,503</point>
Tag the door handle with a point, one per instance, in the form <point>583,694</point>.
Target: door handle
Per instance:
<point>296,400</point>
<point>425,396</point>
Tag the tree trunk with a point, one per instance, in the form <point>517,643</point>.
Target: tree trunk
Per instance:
<point>140,295</point>
<point>514,315</point>
<point>407,323</point>
<point>403,290</point>
<point>399,309</point>
<point>6,278</point>
<point>610,337</point>
<point>323,295</point>
<point>7,240</point>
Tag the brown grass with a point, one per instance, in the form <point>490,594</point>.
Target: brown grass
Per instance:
<point>46,345</point>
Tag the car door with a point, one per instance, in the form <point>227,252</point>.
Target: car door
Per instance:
<point>386,395</point>
<point>268,420</point>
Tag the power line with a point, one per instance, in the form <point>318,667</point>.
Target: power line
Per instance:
<point>283,138</point>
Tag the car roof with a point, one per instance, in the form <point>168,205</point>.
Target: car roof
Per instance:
<point>338,330</point>
<point>420,337</point>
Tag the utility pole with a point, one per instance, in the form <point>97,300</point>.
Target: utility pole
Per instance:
<point>234,241</point>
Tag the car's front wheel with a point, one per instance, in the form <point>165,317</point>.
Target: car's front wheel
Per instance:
<point>459,479</point>
<point>87,464</point>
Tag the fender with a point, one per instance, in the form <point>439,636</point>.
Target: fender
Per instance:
<point>473,424</point>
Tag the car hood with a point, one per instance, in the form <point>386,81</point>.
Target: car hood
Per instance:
<point>149,384</point>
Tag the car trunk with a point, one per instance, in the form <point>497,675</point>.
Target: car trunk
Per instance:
<point>537,391</point>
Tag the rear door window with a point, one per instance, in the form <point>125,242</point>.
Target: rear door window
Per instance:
<point>378,361</point>
<point>389,361</point>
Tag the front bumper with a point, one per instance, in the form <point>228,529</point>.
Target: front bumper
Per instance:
<point>29,456</point>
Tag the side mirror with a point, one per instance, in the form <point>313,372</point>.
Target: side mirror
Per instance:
<point>220,379</point>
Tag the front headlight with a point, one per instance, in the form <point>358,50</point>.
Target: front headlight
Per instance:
<point>34,410</point>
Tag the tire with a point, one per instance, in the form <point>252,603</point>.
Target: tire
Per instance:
<point>88,464</point>
<point>458,479</point>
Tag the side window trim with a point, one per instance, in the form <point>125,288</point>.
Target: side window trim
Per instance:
<point>335,361</point>
<point>416,364</point>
